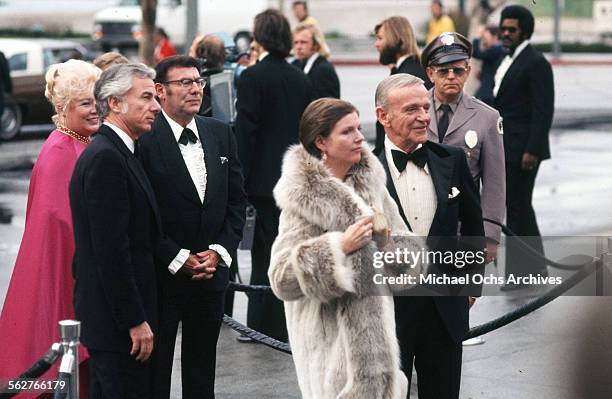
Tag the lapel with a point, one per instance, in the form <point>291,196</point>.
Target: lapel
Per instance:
<point>212,159</point>
<point>441,169</point>
<point>173,160</point>
<point>433,121</point>
<point>134,166</point>
<point>464,112</point>
<point>391,187</point>
<point>514,69</point>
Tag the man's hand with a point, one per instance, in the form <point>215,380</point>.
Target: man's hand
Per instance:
<point>209,260</point>
<point>491,251</point>
<point>192,266</point>
<point>529,161</point>
<point>471,301</point>
<point>142,341</point>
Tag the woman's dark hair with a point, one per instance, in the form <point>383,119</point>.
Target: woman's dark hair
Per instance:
<point>319,118</point>
<point>524,16</point>
<point>273,33</point>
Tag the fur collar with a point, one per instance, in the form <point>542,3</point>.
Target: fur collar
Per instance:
<point>308,188</point>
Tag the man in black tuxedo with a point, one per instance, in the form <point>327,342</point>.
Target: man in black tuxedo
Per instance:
<point>524,96</point>
<point>433,188</point>
<point>311,53</point>
<point>397,46</point>
<point>272,96</point>
<point>117,229</point>
<point>194,170</point>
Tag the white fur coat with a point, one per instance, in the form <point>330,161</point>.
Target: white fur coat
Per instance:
<point>343,343</point>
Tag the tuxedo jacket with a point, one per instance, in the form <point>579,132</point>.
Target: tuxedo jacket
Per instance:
<point>448,168</point>
<point>187,222</point>
<point>412,66</point>
<point>117,229</point>
<point>272,95</point>
<point>323,78</point>
<point>526,100</point>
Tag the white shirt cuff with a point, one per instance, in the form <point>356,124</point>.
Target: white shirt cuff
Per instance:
<point>226,259</point>
<point>178,261</point>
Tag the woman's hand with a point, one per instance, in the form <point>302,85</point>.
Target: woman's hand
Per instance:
<point>357,235</point>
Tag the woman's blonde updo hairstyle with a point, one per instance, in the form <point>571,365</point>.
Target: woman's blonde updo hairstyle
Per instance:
<point>68,81</point>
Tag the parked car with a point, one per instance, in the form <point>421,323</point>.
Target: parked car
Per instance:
<point>28,60</point>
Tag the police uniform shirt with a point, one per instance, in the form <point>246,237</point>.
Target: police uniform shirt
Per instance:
<point>453,106</point>
<point>415,190</point>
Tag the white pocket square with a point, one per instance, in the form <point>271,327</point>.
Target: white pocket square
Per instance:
<point>454,192</point>
<point>223,160</point>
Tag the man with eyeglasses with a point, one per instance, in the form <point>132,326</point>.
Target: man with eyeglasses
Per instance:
<point>463,121</point>
<point>524,96</point>
<point>193,167</point>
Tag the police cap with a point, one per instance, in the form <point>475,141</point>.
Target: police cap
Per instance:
<point>448,47</point>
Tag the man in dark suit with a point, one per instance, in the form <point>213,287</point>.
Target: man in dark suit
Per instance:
<point>117,230</point>
<point>397,46</point>
<point>193,167</point>
<point>311,53</point>
<point>524,96</point>
<point>272,96</point>
<point>434,190</point>
<point>487,49</point>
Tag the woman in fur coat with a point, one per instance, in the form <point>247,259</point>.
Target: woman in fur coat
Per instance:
<point>343,340</point>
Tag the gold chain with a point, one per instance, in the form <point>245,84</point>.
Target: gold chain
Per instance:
<point>74,135</point>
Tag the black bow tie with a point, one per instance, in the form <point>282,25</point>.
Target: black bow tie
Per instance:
<point>418,157</point>
<point>187,136</point>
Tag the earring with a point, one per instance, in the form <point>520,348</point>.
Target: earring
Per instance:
<point>324,156</point>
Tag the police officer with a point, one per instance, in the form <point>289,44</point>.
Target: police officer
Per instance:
<point>461,120</point>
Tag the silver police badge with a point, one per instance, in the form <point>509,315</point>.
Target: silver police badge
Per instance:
<point>500,125</point>
<point>447,38</point>
<point>471,138</point>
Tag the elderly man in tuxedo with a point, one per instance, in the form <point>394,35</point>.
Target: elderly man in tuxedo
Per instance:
<point>434,190</point>
<point>197,180</point>
<point>117,229</point>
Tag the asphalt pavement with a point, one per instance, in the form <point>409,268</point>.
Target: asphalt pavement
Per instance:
<point>560,351</point>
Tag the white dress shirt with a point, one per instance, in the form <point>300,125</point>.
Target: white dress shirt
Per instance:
<point>505,65</point>
<point>194,157</point>
<point>129,143</point>
<point>415,190</point>
<point>310,63</point>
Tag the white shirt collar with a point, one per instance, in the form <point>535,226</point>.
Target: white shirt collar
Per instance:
<point>519,48</point>
<point>401,59</point>
<point>129,143</point>
<point>262,55</point>
<point>390,145</point>
<point>177,129</point>
<point>310,62</point>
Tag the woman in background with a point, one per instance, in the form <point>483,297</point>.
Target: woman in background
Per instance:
<point>41,287</point>
<point>330,192</point>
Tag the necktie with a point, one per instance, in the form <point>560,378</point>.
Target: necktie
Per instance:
<point>443,122</point>
<point>418,157</point>
<point>187,136</point>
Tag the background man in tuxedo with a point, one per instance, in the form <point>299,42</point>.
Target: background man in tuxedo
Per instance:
<point>460,120</point>
<point>397,46</point>
<point>312,52</point>
<point>193,167</point>
<point>524,96</point>
<point>423,178</point>
<point>117,228</point>
<point>272,96</point>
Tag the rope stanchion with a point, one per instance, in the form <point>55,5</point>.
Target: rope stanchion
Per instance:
<point>534,304</point>
<point>256,335</point>
<point>525,246</point>
<point>39,368</point>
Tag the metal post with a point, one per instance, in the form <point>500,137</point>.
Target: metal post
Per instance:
<point>606,269</point>
<point>191,30</point>
<point>556,41</point>
<point>70,333</point>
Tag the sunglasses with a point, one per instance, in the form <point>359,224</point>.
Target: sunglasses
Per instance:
<point>443,72</point>
<point>510,29</point>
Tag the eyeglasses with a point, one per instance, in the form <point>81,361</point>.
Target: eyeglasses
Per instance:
<point>186,83</point>
<point>510,29</point>
<point>443,72</point>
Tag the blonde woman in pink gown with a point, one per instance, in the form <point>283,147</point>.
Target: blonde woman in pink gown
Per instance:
<point>41,287</point>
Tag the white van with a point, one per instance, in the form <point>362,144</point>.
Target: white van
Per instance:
<point>119,27</point>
